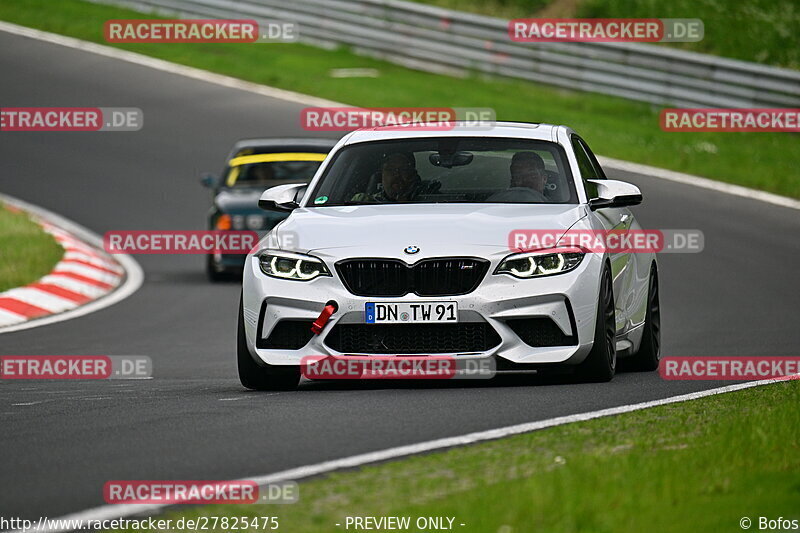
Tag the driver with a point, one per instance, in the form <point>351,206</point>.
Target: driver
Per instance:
<point>261,172</point>
<point>399,180</point>
<point>528,180</point>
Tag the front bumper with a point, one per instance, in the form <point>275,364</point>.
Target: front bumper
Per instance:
<point>569,300</point>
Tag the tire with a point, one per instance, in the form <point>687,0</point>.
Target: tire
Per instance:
<point>649,354</point>
<point>601,363</point>
<point>256,377</point>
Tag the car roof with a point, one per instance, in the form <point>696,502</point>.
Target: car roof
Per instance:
<point>523,130</point>
<point>282,144</point>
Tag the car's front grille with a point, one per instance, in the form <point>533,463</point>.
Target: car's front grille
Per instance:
<point>287,335</point>
<point>540,332</point>
<point>397,339</point>
<point>443,276</point>
<point>374,277</point>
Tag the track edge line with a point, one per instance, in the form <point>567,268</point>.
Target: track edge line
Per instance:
<point>291,96</point>
<point>125,510</point>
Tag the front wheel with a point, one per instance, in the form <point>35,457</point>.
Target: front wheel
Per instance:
<point>601,363</point>
<point>256,377</point>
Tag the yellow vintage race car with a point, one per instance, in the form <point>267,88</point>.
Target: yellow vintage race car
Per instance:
<point>252,166</point>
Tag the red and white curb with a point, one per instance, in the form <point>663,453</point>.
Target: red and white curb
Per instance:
<point>84,274</point>
<point>84,280</point>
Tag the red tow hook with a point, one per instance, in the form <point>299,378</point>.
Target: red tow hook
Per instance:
<point>323,317</point>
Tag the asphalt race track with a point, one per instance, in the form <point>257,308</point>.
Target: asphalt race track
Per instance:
<point>62,441</point>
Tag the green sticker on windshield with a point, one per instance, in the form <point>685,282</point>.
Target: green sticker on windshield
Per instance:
<point>321,200</point>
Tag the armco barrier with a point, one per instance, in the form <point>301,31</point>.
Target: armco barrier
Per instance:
<point>457,43</point>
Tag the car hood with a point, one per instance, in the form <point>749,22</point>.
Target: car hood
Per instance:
<point>436,229</point>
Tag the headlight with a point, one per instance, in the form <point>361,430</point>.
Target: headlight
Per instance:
<point>237,222</point>
<point>537,264</point>
<point>223,222</point>
<point>254,222</point>
<point>287,265</point>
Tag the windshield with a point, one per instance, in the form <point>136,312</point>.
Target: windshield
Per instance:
<point>447,170</point>
<point>271,169</point>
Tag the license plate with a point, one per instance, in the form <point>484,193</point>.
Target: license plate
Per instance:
<point>410,313</point>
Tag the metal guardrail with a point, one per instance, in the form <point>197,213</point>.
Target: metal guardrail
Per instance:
<point>452,42</point>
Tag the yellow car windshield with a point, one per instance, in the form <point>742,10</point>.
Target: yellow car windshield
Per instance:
<point>258,170</point>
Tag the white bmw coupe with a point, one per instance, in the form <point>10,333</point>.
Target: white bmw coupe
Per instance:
<point>401,245</point>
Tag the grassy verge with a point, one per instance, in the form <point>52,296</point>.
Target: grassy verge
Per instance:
<point>752,30</point>
<point>613,127</point>
<point>688,467</point>
<point>26,252</point>
<point>507,9</point>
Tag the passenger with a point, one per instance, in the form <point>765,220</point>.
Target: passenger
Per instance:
<point>261,172</point>
<point>528,180</point>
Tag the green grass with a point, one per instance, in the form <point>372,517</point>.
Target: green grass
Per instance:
<point>690,467</point>
<point>613,127</point>
<point>26,252</point>
<point>765,31</point>
<point>496,8</point>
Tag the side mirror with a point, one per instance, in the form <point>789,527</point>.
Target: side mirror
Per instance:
<point>614,193</point>
<point>283,197</point>
<point>209,180</point>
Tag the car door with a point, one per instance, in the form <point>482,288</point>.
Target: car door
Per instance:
<point>612,219</point>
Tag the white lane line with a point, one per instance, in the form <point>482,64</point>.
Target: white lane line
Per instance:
<point>165,66</point>
<point>110,511</point>
<point>134,276</point>
<point>120,511</point>
<point>291,96</point>
<point>697,181</point>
